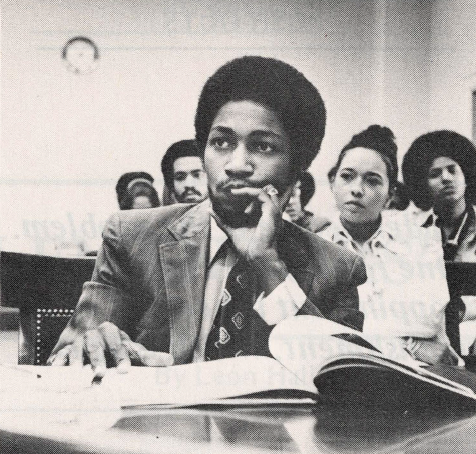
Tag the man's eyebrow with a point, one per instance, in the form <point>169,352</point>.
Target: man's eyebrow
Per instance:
<point>222,129</point>
<point>260,132</point>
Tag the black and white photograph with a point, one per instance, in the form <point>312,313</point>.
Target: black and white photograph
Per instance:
<point>237,227</point>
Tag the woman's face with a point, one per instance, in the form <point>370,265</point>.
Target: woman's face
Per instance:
<point>446,181</point>
<point>361,186</point>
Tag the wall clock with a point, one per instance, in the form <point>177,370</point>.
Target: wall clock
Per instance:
<point>81,55</point>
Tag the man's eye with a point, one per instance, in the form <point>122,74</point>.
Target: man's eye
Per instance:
<point>220,143</point>
<point>264,147</point>
<point>452,170</point>
<point>179,177</point>
<point>434,173</point>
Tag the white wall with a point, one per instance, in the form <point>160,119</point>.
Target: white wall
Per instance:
<point>453,65</point>
<point>67,138</point>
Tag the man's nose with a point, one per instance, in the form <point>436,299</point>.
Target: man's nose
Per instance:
<point>446,175</point>
<point>239,163</point>
<point>188,183</point>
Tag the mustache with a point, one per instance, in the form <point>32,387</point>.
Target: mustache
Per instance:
<point>234,184</point>
<point>189,191</point>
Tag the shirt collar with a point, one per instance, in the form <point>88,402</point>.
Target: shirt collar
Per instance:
<point>217,238</point>
<point>426,218</point>
<point>384,236</point>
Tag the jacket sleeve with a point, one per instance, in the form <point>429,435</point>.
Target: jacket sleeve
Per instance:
<point>346,304</point>
<point>107,296</point>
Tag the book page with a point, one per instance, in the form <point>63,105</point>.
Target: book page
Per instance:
<point>303,344</point>
<point>188,384</point>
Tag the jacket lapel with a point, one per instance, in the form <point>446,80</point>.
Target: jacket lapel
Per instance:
<point>184,265</point>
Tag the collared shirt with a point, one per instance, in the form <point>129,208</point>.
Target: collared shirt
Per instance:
<point>283,302</point>
<point>463,239</point>
<point>406,291</point>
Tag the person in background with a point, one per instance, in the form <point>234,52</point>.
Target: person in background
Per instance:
<point>135,190</point>
<point>399,200</point>
<point>296,207</point>
<point>188,283</point>
<point>184,177</point>
<point>440,172</point>
<point>406,293</point>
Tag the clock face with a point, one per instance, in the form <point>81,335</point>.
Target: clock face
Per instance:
<point>81,55</point>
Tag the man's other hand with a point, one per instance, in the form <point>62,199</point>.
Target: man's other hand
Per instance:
<point>107,338</point>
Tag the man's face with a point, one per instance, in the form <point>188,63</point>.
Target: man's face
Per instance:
<point>190,180</point>
<point>294,207</point>
<point>247,147</point>
<point>446,181</point>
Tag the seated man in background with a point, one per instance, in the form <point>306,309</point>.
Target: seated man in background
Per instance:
<point>440,172</point>
<point>296,207</point>
<point>199,282</point>
<point>184,177</point>
<point>135,190</point>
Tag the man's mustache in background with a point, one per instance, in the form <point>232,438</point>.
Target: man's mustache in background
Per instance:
<point>189,191</point>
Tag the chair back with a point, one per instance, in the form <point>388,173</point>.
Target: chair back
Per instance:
<point>461,278</point>
<point>46,290</point>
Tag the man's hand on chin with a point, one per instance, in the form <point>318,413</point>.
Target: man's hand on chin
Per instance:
<point>257,244</point>
<point>106,338</point>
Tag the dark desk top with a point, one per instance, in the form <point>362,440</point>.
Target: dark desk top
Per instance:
<point>296,429</point>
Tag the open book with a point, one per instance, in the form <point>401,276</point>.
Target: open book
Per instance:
<point>309,361</point>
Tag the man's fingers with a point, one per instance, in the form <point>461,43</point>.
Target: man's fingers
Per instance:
<point>113,341</point>
<point>76,353</point>
<point>60,358</point>
<point>156,359</point>
<point>147,357</point>
<point>95,348</point>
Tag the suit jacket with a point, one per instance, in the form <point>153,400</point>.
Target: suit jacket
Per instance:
<point>149,277</point>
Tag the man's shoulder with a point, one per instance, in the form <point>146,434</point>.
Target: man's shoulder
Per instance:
<point>140,219</point>
<point>153,223</point>
<point>320,247</point>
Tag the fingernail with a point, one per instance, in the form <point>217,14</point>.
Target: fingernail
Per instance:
<point>249,208</point>
<point>156,359</point>
<point>122,368</point>
<point>272,190</point>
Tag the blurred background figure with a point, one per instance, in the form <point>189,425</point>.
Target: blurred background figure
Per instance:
<point>184,177</point>
<point>135,190</point>
<point>296,208</point>
<point>440,172</point>
<point>399,200</point>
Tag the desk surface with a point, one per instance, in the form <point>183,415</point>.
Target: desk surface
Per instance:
<point>274,429</point>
